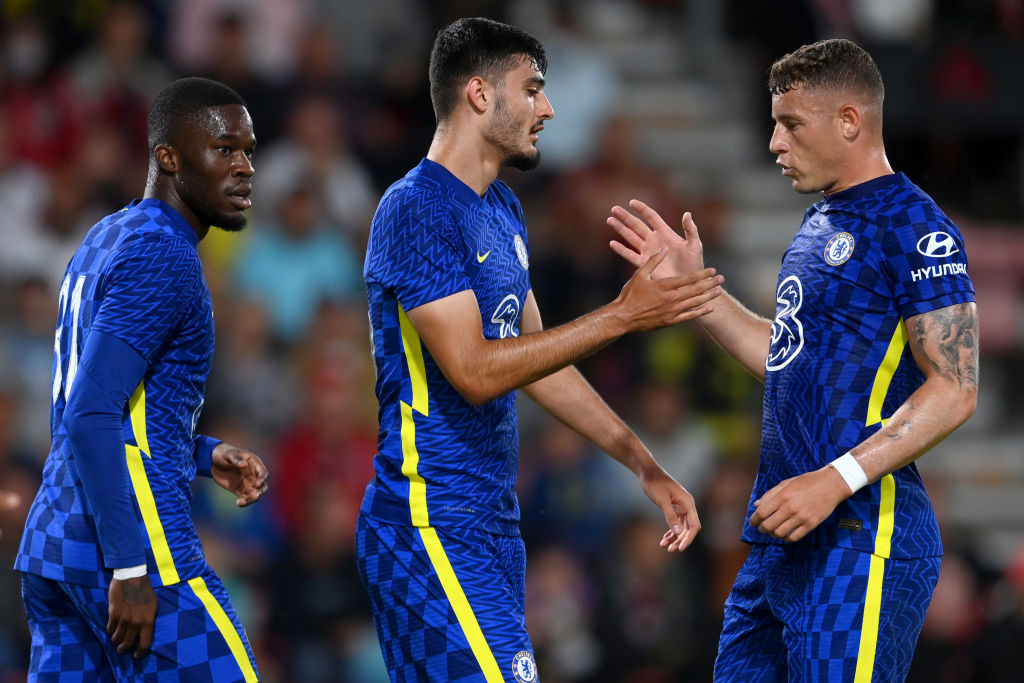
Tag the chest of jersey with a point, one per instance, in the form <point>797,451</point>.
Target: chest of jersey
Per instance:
<point>497,265</point>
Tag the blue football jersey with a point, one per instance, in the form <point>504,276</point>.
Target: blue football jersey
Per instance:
<point>441,460</point>
<point>863,262</point>
<point>137,277</point>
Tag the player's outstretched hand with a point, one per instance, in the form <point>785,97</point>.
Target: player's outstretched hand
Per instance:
<point>794,507</point>
<point>239,471</point>
<point>676,504</point>
<point>648,302</point>
<point>8,501</point>
<point>131,615</point>
<point>644,232</point>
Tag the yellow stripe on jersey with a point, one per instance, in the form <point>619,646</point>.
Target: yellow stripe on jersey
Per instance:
<point>886,513</point>
<point>137,411</point>
<point>147,506</point>
<point>225,626</point>
<point>420,401</point>
<point>460,605</point>
<point>885,373</point>
<point>414,358</point>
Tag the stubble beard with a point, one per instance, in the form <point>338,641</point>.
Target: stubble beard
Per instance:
<point>504,133</point>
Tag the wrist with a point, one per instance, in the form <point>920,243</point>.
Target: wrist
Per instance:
<point>851,471</point>
<point>130,572</point>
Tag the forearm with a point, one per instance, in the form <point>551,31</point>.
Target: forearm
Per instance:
<point>568,397</point>
<point>743,334</point>
<point>107,374</point>
<point>924,419</point>
<point>508,364</point>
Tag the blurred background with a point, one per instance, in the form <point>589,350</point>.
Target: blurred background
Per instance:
<point>658,99</point>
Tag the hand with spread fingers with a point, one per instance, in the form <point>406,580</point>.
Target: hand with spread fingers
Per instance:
<point>644,232</point>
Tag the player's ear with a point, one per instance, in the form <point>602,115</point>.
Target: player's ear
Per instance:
<point>849,121</point>
<point>167,158</point>
<point>479,94</point>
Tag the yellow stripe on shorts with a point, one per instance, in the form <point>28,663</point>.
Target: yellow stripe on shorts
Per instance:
<point>460,605</point>
<point>225,626</point>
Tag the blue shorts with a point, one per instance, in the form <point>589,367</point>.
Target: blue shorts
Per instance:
<point>802,614</point>
<point>197,637</point>
<point>449,604</point>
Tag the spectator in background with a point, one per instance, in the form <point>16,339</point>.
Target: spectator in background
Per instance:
<point>652,609</point>
<point>685,444</point>
<point>332,440</point>
<point>315,147</point>
<point>117,75</point>
<point>293,264</point>
<point>26,354</point>
<point>562,599</point>
<point>252,382</point>
<point>38,96</point>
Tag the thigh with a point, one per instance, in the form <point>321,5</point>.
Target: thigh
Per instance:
<point>65,644</point>
<point>197,638</point>
<point>449,605</point>
<point>750,648</point>
<point>852,616</point>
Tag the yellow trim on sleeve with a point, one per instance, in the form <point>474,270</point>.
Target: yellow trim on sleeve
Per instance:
<point>414,357</point>
<point>460,605</point>
<point>225,626</point>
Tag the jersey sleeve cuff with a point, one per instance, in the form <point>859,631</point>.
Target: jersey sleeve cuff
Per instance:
<point>204,454</point>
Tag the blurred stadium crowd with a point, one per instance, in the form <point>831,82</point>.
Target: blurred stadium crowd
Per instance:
<point>657,99</point>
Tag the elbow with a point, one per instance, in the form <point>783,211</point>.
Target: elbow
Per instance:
<point>476,390</point>
<point>968,403</point>
<point>475,395</point>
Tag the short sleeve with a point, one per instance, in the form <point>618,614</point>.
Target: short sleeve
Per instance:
<point>413,252</point>
<point>148,286</point>
<point>927,262</point>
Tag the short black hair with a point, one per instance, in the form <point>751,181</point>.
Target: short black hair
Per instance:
<point>833,64</point>
<point>477,47</point>
<point>181,100</point>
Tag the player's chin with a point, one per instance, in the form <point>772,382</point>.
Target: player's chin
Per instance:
<point>231,221</point>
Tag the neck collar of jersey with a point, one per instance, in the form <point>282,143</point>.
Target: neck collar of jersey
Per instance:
<point>436,171</point>
<point>866,188</point>
<point>177,221</point>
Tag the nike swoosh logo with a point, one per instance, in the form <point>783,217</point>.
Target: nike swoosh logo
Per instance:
<point>480,258</point>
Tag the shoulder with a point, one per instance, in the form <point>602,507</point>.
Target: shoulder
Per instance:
<point>505,195</point>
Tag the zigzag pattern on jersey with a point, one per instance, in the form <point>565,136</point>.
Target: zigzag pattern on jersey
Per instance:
<point>144,285</point>
<point>424,245</point>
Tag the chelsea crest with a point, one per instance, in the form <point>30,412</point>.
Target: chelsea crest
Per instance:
<point>839,248</point>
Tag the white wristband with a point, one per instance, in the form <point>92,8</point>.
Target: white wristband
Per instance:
<point>130,572</point>
<point>851,471</point>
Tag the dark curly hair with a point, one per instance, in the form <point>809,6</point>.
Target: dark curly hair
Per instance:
<point>834,64</point>
<point>477,47</point>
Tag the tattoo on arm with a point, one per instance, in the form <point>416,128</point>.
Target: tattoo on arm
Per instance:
<point>949,339</point>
